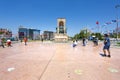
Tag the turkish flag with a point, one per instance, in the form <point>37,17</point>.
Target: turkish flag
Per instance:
<point>97,22</point>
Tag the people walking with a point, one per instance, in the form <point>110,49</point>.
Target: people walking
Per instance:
<point>75,43</point>
<point>106,47</point>
<point>2,43</point>
<point>25,40</point>
<point>9,43</point>
<point>95,41</point>
<point>84,42</point>
<point>42,39</point>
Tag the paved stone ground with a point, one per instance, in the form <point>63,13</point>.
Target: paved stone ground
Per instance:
<point>58,61</point>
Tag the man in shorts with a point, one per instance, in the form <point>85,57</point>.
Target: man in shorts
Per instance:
<point>106,46</point>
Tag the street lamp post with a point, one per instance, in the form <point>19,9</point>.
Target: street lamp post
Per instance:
<point>40,35</point>
<point>117,6</point>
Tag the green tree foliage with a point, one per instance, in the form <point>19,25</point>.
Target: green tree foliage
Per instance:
<point>85,34</point>
<point>1,32</point>
<point>99,36</point>
<point>82,34</point>
<point>77,36</point>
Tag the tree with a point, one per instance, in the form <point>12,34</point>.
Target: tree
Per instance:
<point>77,36</point>
<point>98,35</point>
<point>83,34</point>
<point>1,32</point>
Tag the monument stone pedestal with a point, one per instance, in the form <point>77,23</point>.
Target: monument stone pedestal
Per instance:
<point>61,37</point>
<point>61,32</point>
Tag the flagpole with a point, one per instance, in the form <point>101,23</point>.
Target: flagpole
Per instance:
<point>117,19</point>
<point>97,25</point>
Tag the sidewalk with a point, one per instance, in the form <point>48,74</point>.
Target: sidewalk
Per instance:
<point>58,61</point>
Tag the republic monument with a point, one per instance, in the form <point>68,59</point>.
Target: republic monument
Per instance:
<point>61,30</point>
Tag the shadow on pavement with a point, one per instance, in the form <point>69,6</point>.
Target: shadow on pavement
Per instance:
<point>102,54</point>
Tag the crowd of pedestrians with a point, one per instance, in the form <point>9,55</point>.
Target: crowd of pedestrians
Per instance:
<point>5,42</point>
<point>106,43</point>
<point>106,47</point>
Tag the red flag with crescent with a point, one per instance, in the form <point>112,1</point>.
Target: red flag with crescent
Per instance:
<point>97,22</point>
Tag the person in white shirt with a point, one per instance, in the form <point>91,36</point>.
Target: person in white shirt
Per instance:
<point>9,43</point>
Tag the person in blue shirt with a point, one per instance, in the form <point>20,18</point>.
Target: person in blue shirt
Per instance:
<point>106,45</point>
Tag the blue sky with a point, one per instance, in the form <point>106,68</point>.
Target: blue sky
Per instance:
<point>43,14</point>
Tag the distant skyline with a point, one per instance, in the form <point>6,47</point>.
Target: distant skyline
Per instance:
<point>43,14</point>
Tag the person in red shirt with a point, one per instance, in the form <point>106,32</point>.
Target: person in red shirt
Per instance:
<point>25,40</point>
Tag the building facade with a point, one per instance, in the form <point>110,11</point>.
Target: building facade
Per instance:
<point>23,32</point>
<point>32,34</point>
<point>5,33</point>
<point>48,35</point>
